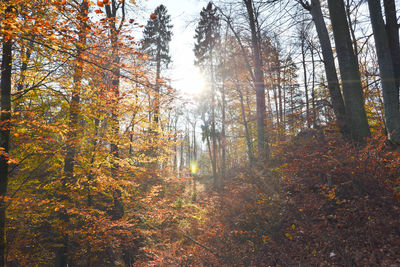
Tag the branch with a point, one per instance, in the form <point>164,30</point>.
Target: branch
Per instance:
<point>304,4</point>
<point>63,51</point>
<point>198,243</point>
<point>246,59</point>
<point>20,94</point>
<point>27,178</point>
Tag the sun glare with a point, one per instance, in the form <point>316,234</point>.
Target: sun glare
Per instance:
<point>193,83</point>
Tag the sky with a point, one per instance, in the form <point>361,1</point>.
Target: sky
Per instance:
<point>184,76</point>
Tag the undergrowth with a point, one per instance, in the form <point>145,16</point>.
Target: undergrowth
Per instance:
<point>326,202</point>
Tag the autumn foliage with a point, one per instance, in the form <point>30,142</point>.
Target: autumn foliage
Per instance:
<point>102,163</point>
<point>326,202</point>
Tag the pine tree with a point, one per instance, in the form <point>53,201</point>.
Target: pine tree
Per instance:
<point>207,35</point>
<point>207,38</point>
<point>157,35</point>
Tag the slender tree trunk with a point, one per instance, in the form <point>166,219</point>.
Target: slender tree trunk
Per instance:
<point>213,132</point>
<point>209,149</point>
<point>279,85</point>
<point>111,11</point>
<point>5,117</point>
<point>303,62</point>
<point>24,67</point>
<point>352,31</point>
<point>246,130</point>
<point>258,84</point>
<point>284,98</point>
<point>74,109</point>
<point>352,89</point>
<point>175,145</point>
<point>314,110</point>
<point>73,126</point>
<point>182,163</point>
<point>276,102</point>
<point>194,141</point>
<point>329,63</point>
<point>157,91</point>
<point>223,137</point>
<point>390,90</point>
<point>245,123</point>
<point>188,145</point>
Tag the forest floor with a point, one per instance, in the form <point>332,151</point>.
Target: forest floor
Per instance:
<point>324,202</point>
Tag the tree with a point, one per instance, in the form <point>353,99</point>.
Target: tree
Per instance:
<point>351,82</point>
<point>5,87</point>
<point>392,31</point>
<point>112,7</point>
<point>329,62</point>
<point>207,38</point>
<point>258,81</point>
<point>74,110</point>
<point>157,35</point>
<point>387,73</point>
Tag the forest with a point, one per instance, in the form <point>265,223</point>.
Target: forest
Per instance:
<point>282,151</point>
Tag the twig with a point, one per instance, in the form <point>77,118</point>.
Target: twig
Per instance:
<point>198,243</point>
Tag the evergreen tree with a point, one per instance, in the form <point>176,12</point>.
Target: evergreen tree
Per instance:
<point>207,35</point>
<point>157,35</point>
<point>207,38</point>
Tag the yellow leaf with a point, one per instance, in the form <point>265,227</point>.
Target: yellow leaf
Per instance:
<point>289,236</point>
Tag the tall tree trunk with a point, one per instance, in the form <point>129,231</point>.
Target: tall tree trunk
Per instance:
<point>329,63</point>
<point>175,168</point>
<point>259,85</point>
<point>194,141</point>
<point>5,86</point>
<point>392,31</point>
<point>157,91</point>
<point>74,109</point>
<point>73,126</point>
<point>352,30</point>
<point>314,109</point>
<point>223,136</point>
<point>303,62</point>
<point>279,85</point>
<point>390,90</point>
<point>246,130</point>
<point>352,90</point>
<point>181,163</point>
<point>111,11</point>
<point>245,123</point>
<point>213,132</point>
<point>276,102</point>
<point>25,57</point>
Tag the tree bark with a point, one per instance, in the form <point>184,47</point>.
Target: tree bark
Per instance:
<point>111,11</point>
<point>303,62</point>
<point>313,106</point>
<point>390,90</point>
<point>392,31</point>
<point>352,89</point>
<point>5,117</point>
<point>246,130</point>
<point>213,132</point>
<point>329,63</point>
<point>73,126</point>
<point>157,91</point>
<point>259,85</point>
<point>74,109</point>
